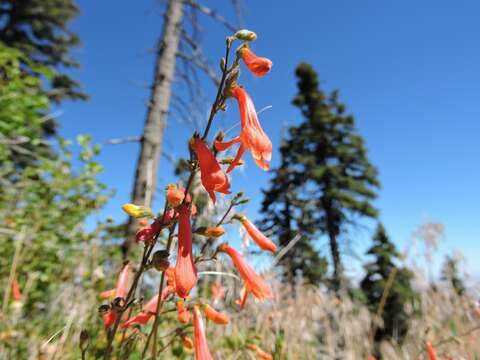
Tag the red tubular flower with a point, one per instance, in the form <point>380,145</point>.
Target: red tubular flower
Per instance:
<point>120,291</point>
<point>258,66</point>
<point>251,136</point>
<point>213,178</point>
<point>185,271</point>
<point>143,317</point>
<point>253,282</point>
<point>109,318</point>
<point>262,241</point>
<point>16,294</point>
<point>147,234</point>
<point>431,351</point>
<point>183,314</point>
<point>201,345</point>
<point>122,282</point>
<point>215,316</point>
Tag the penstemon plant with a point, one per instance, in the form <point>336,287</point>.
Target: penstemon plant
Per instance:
<point>179,281</point>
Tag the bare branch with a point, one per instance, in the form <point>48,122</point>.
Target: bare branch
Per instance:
<point>128,139</point>
<point>212,13</point>
<point>238,13</point>
<point>202,65</point>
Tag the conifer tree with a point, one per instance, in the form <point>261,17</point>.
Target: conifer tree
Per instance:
<point>39,29</point>
<point>450,274</point>
<point>288,216</point>
<point>326,166</point>
<point>385,279</point>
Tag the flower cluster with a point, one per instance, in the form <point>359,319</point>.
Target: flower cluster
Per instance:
<point>180,207</point>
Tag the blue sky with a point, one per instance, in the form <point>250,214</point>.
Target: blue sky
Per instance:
<point>407,70</point>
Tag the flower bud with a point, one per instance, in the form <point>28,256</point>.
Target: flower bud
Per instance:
<point>183,314</point>
<point>229,160</point>
<point>246,35</point>
<point>187,342</point>
<point>215,316</point>
<point>160,260</point>
<point>103,309</point>
<point>215,232</point>
<point>174,196</point>
<point>137,211</point>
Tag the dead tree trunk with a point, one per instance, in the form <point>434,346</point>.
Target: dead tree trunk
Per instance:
<point>145,180</point>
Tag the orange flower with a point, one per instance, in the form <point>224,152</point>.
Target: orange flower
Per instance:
<point>251,136</point>
<point>213,178</point>
<point>262,241</point>
<point>175,196</point>
<point>185,271</point>
<point>215,231</point>
<point>201,345</point>
<point>371,357</point>
<point>263,355</point>
<point>253,282</point>
<point>215,316</point>
<point>431,351</point>
<point>258,66</point>
<point>183,314</point>
<point>16,294</point>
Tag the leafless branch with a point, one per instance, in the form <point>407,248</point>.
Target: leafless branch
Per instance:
<point>202,65</point>
<point>238,13</point>
<point>128,139</point>
<point>212,13</point>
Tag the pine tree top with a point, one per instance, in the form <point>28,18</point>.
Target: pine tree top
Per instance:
<point>39,29</point>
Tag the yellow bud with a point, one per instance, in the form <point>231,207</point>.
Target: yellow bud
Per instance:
<point>137,211</point>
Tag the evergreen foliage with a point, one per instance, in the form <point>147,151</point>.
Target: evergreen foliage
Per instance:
<point>39,29</point>
<point>450,274</point>
<point>383,275</point>
<point>325,180</point>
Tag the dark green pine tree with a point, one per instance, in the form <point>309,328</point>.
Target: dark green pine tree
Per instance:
<point>39,29</point>
<point>288,216</point>
<point>450,274</point>
<point>397,294</point>
<point>326,166</point>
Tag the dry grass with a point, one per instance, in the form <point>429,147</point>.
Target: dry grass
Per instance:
<point>308,323</point>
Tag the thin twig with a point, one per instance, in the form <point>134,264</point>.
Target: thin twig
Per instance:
<point>212,13</point>
<point>285,250</point>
